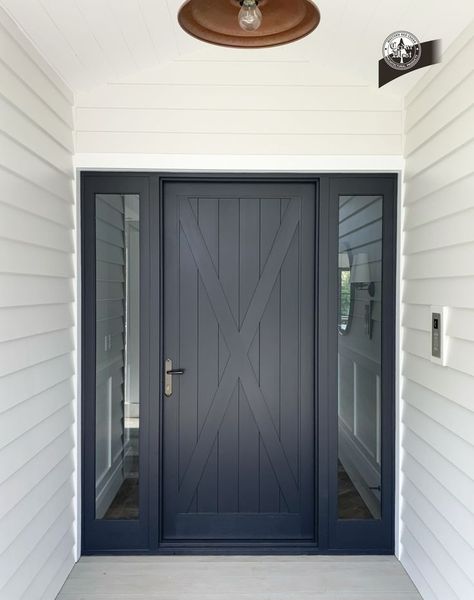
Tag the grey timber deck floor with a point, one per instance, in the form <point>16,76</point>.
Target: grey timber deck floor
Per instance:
<point>239,578</point>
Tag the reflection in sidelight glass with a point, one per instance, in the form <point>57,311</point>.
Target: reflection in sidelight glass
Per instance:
<point>345,300</point>
<point>117,355</point>
<point>359,356</point>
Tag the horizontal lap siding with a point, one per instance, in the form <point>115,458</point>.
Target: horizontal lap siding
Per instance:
<point>238,108</point>
<point>437,538</point>
<point>37,341</point>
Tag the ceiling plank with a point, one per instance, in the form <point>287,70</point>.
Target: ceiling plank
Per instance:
<point>76,32</point>
<point>109,36</point>
<point>136,33</point>
<point>50,41</point>
<point>162,28</point>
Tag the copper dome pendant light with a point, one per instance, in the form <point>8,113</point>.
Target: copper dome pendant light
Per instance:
<point>249,23</point>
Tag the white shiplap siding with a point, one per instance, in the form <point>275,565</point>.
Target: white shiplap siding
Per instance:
<point>37,271</point>
<point>238,107</point>
<point>437,534</point>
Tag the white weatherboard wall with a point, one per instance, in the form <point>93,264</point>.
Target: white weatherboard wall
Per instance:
<point>437,538</point>
<point>237,107</point>
<point>36,324</point>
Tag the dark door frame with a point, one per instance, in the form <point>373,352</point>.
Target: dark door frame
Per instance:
<point>143,536</point>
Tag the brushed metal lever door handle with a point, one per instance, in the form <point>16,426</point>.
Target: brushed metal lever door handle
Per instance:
<point>169,372</point>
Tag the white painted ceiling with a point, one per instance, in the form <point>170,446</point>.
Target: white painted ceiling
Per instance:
<point>92,42</point>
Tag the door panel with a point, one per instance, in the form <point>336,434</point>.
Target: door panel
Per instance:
<point>239,305</point>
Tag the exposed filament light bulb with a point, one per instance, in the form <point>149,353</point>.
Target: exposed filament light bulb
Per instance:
<point>250,16</point>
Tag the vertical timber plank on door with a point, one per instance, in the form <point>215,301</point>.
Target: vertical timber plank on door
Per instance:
<point>239,318</point>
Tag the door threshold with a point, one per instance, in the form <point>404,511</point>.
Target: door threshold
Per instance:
<point>237,548</point>
<point>168,549</point>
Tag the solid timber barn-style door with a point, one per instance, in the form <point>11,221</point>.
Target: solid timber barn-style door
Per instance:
<point>239,308</point>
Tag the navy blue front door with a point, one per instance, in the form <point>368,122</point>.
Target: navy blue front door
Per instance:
<point>239,321</point>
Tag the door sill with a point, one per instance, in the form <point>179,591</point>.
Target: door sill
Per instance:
<point>237,548</point>
<point>241,550</point>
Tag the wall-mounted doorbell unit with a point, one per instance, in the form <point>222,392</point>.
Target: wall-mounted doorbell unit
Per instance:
<point>438,335</point>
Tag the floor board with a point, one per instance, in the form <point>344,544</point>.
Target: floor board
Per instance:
<point>239,578</point>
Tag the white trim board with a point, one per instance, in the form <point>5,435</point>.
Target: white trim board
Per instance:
<point>237,163</point>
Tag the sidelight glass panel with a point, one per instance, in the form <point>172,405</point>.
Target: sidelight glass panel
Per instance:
<point>117,356</point>
<point>359,356</point>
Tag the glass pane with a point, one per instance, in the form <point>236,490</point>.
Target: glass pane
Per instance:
<point>359,356</point>
<point>117,355</point>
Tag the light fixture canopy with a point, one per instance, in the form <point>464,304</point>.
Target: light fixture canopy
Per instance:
<point>283,21</point>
